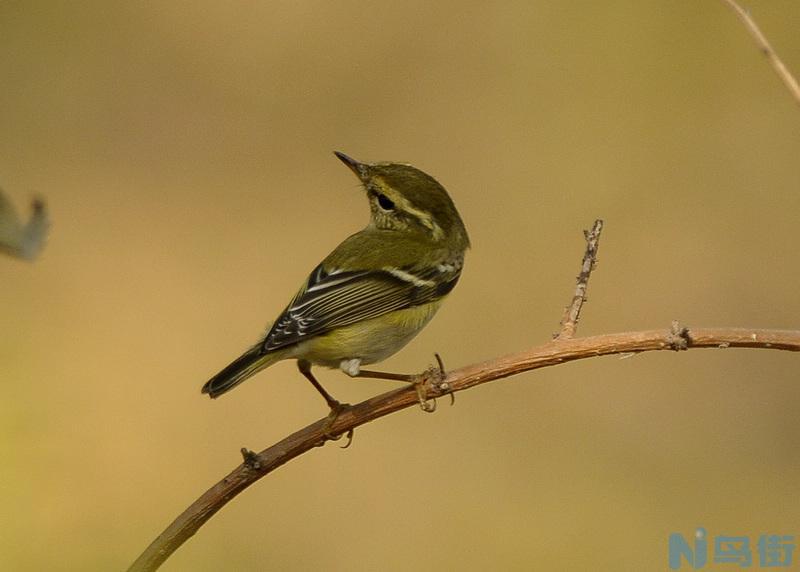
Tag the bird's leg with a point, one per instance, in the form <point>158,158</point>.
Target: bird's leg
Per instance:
<point>407,377</point>
<point>305,368</point>
<point>353,369</point>
<point>335,406</point>
<point>417,380</point>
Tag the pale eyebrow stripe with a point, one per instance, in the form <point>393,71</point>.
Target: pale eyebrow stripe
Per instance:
<point>424,218</point>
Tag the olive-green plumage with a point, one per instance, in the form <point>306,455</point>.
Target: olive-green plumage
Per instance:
<point>376,290</point>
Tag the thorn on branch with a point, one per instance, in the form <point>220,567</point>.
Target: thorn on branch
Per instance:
<point>251,459</point>
<point>678,337</point>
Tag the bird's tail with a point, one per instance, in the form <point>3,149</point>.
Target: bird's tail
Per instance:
<point>246,365</point>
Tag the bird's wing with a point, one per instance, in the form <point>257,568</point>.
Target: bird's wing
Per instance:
<point>334,298</point>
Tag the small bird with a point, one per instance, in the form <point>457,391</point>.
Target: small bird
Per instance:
<point>375,291</point>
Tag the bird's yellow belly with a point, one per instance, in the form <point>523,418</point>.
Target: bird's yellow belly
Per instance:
<point>370,341</point>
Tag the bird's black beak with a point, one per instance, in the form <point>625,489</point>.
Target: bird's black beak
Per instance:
<point>360,169</point>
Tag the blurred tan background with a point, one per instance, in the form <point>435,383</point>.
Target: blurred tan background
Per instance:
<point>184,150</point>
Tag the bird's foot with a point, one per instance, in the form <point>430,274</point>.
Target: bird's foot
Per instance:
<point>336,410</point>
<point>433,378</point>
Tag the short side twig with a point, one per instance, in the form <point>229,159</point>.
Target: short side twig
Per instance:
<point>777,64</point>
<point>572,313</point>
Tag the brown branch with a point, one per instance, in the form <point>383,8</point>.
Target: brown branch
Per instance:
<point>550,354</point>
<point>572,313</point>
<point>777,64</point>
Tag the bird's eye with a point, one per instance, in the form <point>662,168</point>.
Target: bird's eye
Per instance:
<point>386,203</point>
